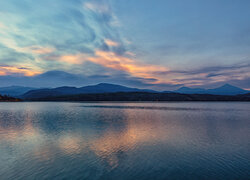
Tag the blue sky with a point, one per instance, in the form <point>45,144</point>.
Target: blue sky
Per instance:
<point>163,44</point>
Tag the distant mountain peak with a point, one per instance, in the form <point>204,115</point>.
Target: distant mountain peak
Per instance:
<point>228,85</point>
<point>226,89</point>
<point>184,88</point>
<point>56,74</point>
<point>107,84</point>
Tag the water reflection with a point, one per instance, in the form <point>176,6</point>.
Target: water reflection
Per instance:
<point>71,144</point>
<point>14,129</point>
<point>66,140</point>
<point>114,142</point>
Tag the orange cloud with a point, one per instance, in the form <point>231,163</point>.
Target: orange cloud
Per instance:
<point>73,59</point>
<point>68,58</point>
<point>118,62</point>
<point>111,43</point>
<point>8,70</point>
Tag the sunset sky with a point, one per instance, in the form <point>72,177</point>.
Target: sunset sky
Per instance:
<point>158,44</point>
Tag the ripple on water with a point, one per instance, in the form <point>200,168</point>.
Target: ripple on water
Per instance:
<point>124,141</point>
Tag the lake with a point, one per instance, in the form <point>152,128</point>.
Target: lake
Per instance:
<point>57,140</point>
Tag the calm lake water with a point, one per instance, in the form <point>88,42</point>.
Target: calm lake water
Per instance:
<point>41,140</point>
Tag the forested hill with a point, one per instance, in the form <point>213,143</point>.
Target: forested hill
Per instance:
<point>8,99</point>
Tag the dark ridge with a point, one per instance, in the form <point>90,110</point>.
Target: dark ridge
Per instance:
<point>6,98</point>
<point>93,89</point>
<point>142,96</point>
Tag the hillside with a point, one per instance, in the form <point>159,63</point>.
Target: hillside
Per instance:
<point>8,99</point>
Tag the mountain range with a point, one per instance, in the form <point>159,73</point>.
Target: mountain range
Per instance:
<point>94,89</point>
<point>29,92</point>
<point>226,89</point>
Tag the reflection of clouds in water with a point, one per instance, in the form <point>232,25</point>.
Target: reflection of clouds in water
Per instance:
<point>112,137</point>
<point>44,153</point>
<point>113,143</point>
<point>15,133</point>
<point>71,144</point>
<point>120,136</point>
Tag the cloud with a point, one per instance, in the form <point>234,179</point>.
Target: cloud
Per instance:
<point>97,7</point>
<point>58,28</point>
<point>61,78</point>
<point>67,35</point>
<point>2,26</point>
<point>122,63</point>
<point>41,50</point>
<point>11,70</point>
<point>111,43</point>
<point>100,74</point>
<point>209,76</point>
<point>111,60</point>
<point>11,56</point>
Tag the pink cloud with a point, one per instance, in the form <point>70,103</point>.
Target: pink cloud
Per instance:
<point>111,43</point>
<point>8,70</point>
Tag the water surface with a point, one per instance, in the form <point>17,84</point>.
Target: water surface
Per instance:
<point>50,140</point>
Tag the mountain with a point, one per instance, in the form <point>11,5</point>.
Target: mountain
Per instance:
<point>226,89</point>
<point>113,88</point>
<point>109,88</point>
<point>94,89</point>
<point>14,90</point>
